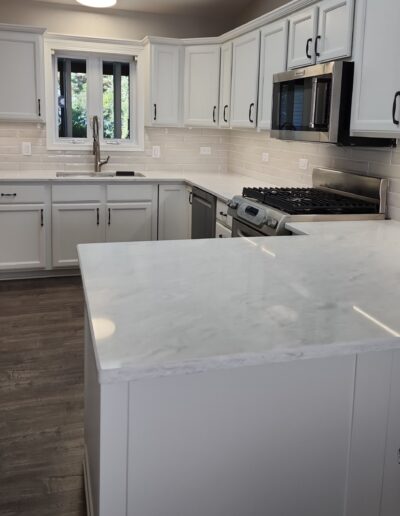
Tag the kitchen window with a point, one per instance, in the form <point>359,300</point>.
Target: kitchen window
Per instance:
<point>85,84</point>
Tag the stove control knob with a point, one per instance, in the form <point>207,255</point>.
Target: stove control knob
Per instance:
<point>272,223</point>
<point>232,204</point>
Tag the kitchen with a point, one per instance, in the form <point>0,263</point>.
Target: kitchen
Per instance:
<point>128,125</point>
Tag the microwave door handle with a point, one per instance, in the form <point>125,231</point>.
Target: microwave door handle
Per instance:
<point>313,102</point>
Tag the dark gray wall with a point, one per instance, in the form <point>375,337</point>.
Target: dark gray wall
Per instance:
<point>257,8</point>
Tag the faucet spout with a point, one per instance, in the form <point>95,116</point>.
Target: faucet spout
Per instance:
<point>98,162</point>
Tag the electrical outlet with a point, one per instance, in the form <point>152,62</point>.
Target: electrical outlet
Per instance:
<point>156,152</point>
<point>205,151</point>
<point>26,148</point>
<point>303,164</point>
<point>265,157</point>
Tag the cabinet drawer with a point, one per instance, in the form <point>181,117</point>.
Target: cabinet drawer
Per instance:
<point>21,194</point>
<point>222,231</point>
<point>222,214</point>
<point>77,193</point>
<point>130,192</point>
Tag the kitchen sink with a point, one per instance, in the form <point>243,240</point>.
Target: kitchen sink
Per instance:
<point>94,175</point>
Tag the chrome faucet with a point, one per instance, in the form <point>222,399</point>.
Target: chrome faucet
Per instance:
<point>98,162</point>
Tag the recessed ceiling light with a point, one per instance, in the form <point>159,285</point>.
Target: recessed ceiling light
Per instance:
<point>97,3</point>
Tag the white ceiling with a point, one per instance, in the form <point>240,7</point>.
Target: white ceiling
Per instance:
<point>187,7</point>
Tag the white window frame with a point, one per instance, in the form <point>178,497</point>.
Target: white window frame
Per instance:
<point>95,51</point>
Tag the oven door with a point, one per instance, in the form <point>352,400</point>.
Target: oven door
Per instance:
<point>243,230</point>
<point>306,103</point>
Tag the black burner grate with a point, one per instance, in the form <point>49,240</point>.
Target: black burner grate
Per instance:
<point>303,201</point>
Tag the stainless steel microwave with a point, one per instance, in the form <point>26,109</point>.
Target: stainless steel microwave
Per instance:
<point>314,104</point>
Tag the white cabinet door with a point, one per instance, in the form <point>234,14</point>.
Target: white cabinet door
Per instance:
<point>23,236</point>
<point>173,212</point>
<point>202,65</point>
<point>302,34</point>
<point>21,86</point>
<point>129,222</point>
<point>274,39</point>
<point>245,65</point>
<point>166,87</point>
<point>75,224</point>
<point>225,85</point>
<point>222,231</point>
<point>377,69</point>
<point>335,30</point>
<point>390,504</point>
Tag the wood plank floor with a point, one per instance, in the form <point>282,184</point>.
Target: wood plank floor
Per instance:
<point>41,398</point>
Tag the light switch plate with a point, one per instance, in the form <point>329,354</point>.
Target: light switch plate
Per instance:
<point>303,164</point>
<point>26,148</point>
<point>205,151</point>
<point>156,152</point>
<point>265,157</point>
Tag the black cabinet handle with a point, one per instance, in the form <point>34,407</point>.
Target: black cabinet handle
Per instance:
<point>395,120</point>
<point>41,218</point>
<point>223,214</point>
<point>251,120</point>
<point>109,216</point>
<point>225,108</point>
<point>191,198</point>
<point>316,46</point>
<point>309,41</point>
<point>214,112</point>
<point>9,195</point>
<point>98,216</point>
<point>39,108</point>
<point>155,111</point>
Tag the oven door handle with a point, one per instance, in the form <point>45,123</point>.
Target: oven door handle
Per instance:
<point>313,102</point>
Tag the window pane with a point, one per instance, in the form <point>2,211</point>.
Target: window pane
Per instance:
<point>72,98</point>
<point>116,100</point>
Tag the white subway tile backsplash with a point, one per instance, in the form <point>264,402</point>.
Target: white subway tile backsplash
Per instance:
<point>232,151</point>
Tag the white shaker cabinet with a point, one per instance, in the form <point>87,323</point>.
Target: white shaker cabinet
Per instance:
<point>21,86</point>
<point>245,68</point>
<point>174,221</point>
<point>302,34</point>
<point>73,224</point>
<point>166,85</point>
<point>201,92</point>
<point>274,40</point>
<point>335,30</point>
<point>376,94</point>
<point>225,85</point>
<point>129,221</point>
<point>23,236</point>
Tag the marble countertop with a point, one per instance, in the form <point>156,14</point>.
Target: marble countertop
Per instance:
<point>222,185</point>
<point>163,308</point>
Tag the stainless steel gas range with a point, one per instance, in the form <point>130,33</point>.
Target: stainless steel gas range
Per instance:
<point>335,195</point>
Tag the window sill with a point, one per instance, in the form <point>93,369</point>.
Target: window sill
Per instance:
<point>89,147</point>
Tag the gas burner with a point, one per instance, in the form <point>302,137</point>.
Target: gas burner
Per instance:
<point>310,201</point>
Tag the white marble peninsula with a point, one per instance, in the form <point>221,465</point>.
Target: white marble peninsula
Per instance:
<point>244,377</point>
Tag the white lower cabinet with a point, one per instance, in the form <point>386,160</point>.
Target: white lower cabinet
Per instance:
<point>222,231</point>
<point>174,221</point>
<point>75,224</point>
<point>129,221</point>
<point>23,236</point>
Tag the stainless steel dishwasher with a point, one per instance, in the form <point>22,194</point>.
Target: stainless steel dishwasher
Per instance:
<point>203,214</point>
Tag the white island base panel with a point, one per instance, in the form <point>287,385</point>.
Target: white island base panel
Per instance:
<point>314,437</point>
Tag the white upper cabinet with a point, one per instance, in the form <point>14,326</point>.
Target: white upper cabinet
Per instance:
<point>335,30</point>
<point>202,69</point>
<point>225,85</point>
<point>21,86</point>
<point>245,68</point>
<point>166,72</point>
<point>274,39</point>
<point>302,34</point>
<point>376,94</point>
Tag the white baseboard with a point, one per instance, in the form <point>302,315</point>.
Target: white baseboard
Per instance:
<point>88,489</point>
